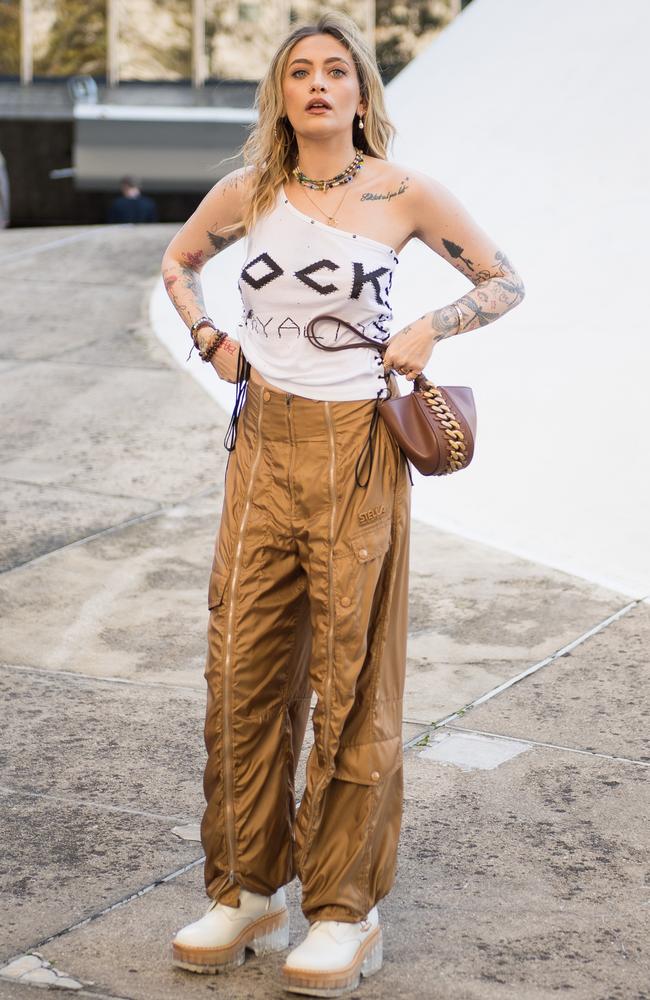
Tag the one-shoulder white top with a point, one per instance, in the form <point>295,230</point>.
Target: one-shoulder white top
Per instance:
<point>296,268</point>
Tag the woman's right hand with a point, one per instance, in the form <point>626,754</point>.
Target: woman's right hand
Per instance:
<point>225,359</point>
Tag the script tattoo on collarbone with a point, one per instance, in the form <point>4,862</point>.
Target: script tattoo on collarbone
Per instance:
<point>387,195</point>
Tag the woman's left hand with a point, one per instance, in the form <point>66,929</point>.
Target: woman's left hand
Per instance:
<point>409,350</point>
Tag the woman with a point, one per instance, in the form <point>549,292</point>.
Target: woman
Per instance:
<point>309,581</point>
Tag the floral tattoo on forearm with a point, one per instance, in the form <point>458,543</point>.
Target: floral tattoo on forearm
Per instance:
<point>183,279</point>
<point>496,291</point>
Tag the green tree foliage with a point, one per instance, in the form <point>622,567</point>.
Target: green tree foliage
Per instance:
<point>401,28</point>
<point>174,58</point>
<point>9,37</point>
<point>76,42</point>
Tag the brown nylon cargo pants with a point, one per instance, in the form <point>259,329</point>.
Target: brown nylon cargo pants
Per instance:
<point>308,590</point>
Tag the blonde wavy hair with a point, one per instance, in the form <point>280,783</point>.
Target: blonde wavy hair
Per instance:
<point>271,148</point>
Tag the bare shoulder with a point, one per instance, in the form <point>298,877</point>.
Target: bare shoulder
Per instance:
<point>394,184</point>
<point>431,202</point>
<point>230,192</point>
<point>386,176</point>
<point>203,234</point>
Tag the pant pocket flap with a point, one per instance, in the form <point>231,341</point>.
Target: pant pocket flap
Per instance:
<point>369,763</point>
<point>369,544</point>
<point>216,588</point>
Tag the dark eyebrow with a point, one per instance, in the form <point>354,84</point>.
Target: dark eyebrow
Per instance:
<point>328,60</point>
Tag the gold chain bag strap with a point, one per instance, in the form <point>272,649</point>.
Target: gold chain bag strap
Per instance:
<point>434,425</point>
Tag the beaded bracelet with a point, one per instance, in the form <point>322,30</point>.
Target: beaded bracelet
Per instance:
<point>211,348</point>
<point>219,336</point>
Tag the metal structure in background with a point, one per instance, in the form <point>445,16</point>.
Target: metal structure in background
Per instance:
<point>170,149</point>
<point>199,58</point>
<point>199,61</point>
<point>112,36</point>
<point>26,42</point>
<point>5,200</point>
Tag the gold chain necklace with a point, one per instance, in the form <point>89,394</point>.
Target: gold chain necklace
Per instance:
<point>344,177</point>
<point>331,221</point>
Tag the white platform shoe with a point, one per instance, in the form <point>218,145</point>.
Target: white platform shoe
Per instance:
<point>220,938</point>
<point>333,957</point>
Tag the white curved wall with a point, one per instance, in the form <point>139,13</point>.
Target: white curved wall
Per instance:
<point>534,116</point>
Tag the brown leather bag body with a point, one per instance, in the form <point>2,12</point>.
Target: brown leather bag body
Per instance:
<point>434,425</point>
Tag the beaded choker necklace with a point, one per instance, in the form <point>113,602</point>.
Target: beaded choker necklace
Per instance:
<point>343,178</point>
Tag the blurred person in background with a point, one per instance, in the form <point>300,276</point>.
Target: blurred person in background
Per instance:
<point>132,205</point>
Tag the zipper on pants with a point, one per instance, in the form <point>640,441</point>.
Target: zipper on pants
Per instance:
<point>227,678</point>
<point>330,614</point>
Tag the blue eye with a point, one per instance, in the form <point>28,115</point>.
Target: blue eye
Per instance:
<point>337,69</point>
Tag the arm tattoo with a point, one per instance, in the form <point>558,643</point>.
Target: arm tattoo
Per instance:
<point>237,178</point>
<point>220,243</point>
<point>183,285</point>
<point>456,253</point>
<point>496,291</point>
<point>185,295</point>
<point>182,278</point>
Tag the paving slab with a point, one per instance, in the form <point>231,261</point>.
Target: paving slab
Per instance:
<point>64,318</point>
<point>479,616</point>
<point>99,781</point>
<point>59,516</point>
<point>499,893</point>
<point>524,855</point>
<point>106,780</point>
<point>592,698</point>
<point>132,602</point>
<point>137,432</point>
<point>74,738</point>
<point>115,256</point>
<point>69,859</point>
<point>22,241</point>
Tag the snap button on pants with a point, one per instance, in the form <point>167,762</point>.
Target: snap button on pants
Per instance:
<point>308,592</point>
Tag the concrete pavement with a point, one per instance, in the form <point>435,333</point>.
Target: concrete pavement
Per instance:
<point>523,867</point>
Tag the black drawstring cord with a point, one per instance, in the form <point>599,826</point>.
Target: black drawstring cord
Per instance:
<point>369,444</point>
<point>243,373</point>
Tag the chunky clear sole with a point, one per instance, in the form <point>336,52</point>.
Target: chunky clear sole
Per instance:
<point>262,936</point>
<point>335,984</point>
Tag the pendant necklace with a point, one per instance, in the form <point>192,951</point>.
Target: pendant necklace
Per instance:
<point>322,185</point>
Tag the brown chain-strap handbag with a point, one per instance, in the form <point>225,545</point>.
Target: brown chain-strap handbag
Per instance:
<point>434,425</point>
